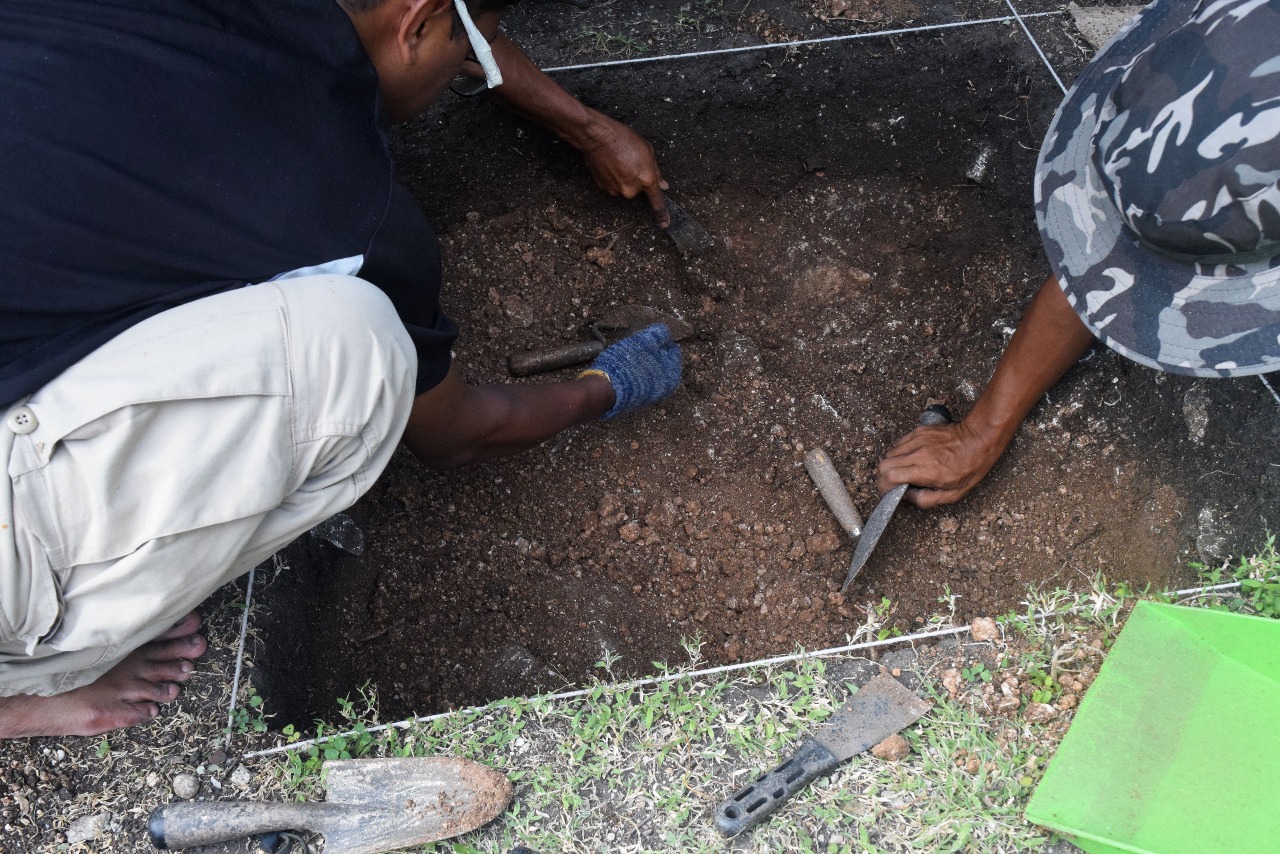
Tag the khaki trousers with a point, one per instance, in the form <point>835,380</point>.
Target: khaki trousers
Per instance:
<point>180,454</point>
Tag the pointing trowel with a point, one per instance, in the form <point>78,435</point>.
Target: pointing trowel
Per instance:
<point>879,518</point>
<point>373,805</point>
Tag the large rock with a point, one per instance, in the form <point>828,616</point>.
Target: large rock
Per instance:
<point>1099,23</point>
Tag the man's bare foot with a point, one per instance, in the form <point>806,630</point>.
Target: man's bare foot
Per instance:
<point>126,695</point>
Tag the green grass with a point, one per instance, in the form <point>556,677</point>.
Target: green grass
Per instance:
<point>641,769</point>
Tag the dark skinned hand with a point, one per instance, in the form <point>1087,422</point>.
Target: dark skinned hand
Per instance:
<point>942,462</point>
<point>622,163</point>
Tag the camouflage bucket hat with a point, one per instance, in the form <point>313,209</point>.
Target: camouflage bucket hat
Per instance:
<point>1158,189</point>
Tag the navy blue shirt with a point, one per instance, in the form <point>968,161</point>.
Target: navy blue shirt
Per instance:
<point>153,152</point>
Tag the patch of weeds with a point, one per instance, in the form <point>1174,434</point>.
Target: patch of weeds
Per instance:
<point>248,717</point>
<point>882,611</point>
<point>601,43</point>
<point>976,672</point>
<point>1046,688</point>
<point>1259,577</point>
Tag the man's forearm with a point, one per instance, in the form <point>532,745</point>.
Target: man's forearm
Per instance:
<point>1048,341</point>
<point>456,424</point>
<point>944,462</point>
<point>529,93</point>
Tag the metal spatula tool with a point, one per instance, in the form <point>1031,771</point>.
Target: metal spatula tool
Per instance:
<point>879,518</point>
<point>690,238</point>
<point>878,710</point>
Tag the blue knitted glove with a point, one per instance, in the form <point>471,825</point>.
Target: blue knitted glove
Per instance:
<point>642,368</point>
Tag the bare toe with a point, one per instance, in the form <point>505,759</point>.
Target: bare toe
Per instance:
<point>188,625</point>
<point>178,670</point>
<point>188,647</point>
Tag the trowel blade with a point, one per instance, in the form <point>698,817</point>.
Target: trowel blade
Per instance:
<point>871,531</point>
<point>684,231</point>
<point>934,415</point>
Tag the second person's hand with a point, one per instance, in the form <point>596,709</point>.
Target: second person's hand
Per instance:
<point>622,163</point>
<point>943,463</point>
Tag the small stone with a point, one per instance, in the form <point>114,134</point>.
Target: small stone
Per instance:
<point>153,779</point>
<point>822,544</point>
<point>1067,701</point>
<point>629,532</point>
<point>87,827</point>
<point>984,629</point>
<point>951,680</point>
<point>186,785</point>
<point>972,765</point>
<point>1039,713</point>
<point>893,748</point>
<point>1007,705</point>
<point>949,525</point>
<point>519,312</point>
<point>600,256</point>
<point>218,757</point>
<point>473,217</point>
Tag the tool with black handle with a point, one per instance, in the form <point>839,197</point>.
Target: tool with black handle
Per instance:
<point>879,518</point>
<point>878,710</point>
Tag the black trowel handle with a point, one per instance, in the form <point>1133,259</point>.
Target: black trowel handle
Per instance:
<point>934,415</point>
<point>763,797</point>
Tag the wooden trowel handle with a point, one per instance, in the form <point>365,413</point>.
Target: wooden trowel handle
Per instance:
<point>190,825</point>
<point>833,491</point>
<point>553,359</point>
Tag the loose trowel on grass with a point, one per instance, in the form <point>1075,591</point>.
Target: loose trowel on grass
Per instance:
<point>372,805</point>
<point>879,709</point>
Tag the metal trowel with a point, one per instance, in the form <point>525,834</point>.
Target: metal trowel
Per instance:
<point>615,324</point>
<point>372,805</point>
<point>690,238</point>
<point>879,518</point>
<point>878,710</point>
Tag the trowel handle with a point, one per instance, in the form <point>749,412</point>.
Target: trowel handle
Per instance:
<point>553,359</point>
<point>832,489</point>
<point>763,797</point>
<point>191,825</point>
<point>934,415</point>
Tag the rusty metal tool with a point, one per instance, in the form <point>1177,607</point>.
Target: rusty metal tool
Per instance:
<point>372,805</point>
<point>879,518</point>
<point>616,323</point>
<point>878,710</point>
<point>690,238</point>
<point>833,491</point>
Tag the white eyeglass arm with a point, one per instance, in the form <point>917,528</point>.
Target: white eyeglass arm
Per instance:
<point>480,45</point>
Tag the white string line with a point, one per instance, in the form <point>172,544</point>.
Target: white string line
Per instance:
<point>802,42</point>
<point>235,681</point>
<point>696,674</point>
<point>1036,45</point>
<point>1269,388</point>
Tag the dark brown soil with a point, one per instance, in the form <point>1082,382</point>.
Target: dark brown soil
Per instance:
<point>859,276</point>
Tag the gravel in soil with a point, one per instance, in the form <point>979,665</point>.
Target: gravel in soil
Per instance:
<point>866,266</point>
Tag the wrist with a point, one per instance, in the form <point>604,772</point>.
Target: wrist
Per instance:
<point>599,395</point>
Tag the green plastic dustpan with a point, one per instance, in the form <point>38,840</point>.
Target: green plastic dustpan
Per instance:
<point>1176,746</point>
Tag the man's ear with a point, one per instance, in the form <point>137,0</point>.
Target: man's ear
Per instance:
<point>417,20</point>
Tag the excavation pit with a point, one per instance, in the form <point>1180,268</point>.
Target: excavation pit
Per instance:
<point>871,201</point>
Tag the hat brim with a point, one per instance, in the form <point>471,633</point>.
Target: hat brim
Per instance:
<point>1169,314</point>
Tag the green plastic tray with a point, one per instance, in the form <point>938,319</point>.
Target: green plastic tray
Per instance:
<point>1176,746</point>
